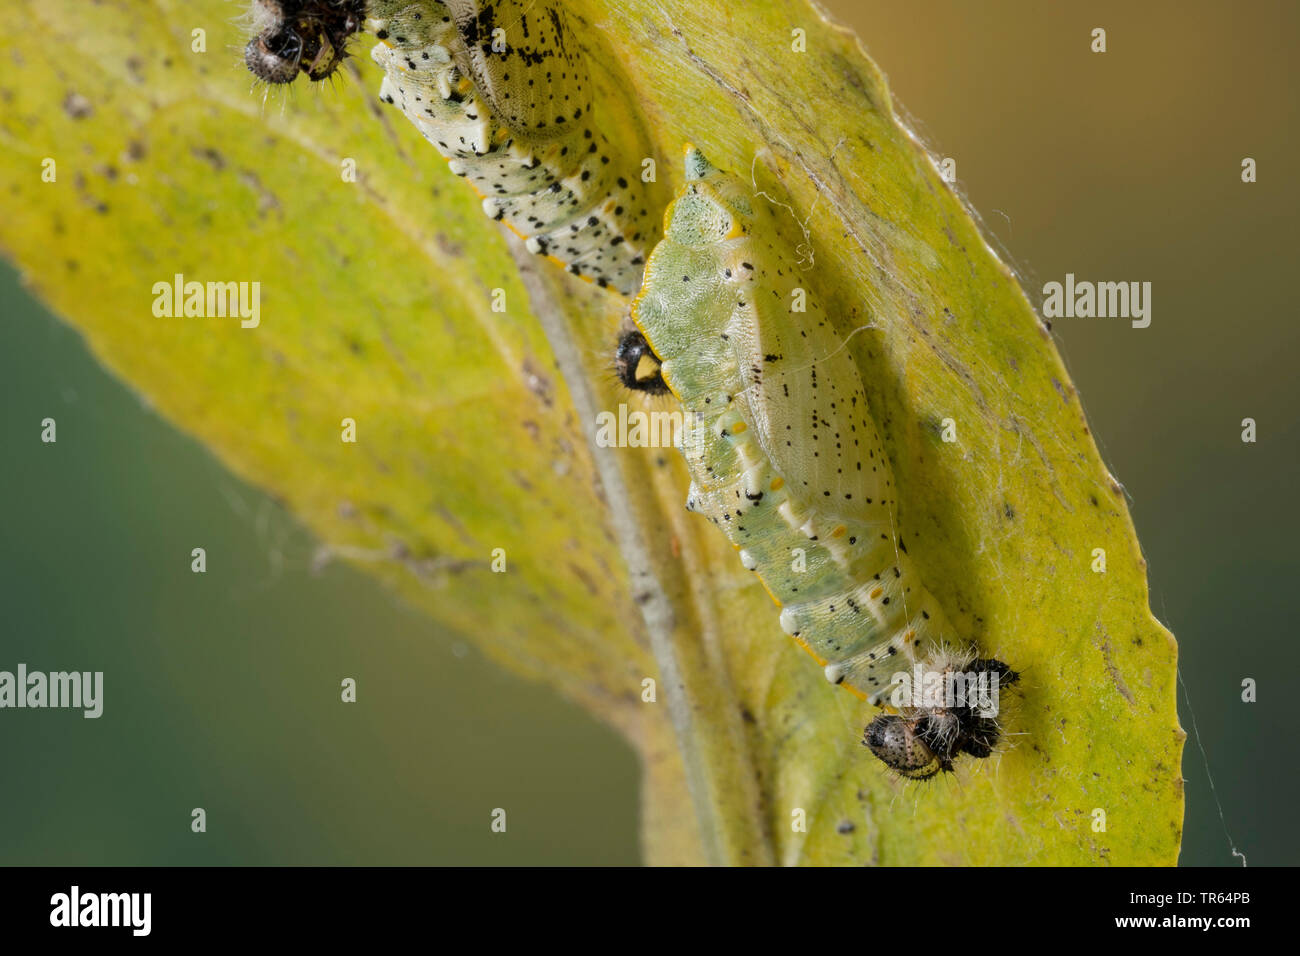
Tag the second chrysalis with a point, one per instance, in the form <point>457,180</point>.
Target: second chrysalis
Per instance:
<point>784,454</point>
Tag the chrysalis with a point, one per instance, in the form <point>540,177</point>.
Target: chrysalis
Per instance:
<point>503,91</point>
<point>783,455</point>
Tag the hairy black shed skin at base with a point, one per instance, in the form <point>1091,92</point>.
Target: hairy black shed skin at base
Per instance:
<point>632,350</point>
<point>307,36</point>
<point>893,738</point>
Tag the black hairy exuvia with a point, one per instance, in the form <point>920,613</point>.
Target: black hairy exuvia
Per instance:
<point>301,36</point>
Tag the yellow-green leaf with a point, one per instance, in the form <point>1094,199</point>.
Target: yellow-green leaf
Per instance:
<point>474,426</point>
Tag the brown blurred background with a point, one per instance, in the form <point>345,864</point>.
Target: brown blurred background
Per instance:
<point>1126,165</point>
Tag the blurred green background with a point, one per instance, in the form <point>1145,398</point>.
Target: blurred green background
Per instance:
<point>223,688</point>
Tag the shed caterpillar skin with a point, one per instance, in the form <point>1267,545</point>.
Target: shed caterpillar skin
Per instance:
<point>783,454</point>
<point>636,364</point>
<point>300,36</point>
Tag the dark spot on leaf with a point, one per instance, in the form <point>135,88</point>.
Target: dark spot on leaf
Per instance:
<point>77,106</point>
